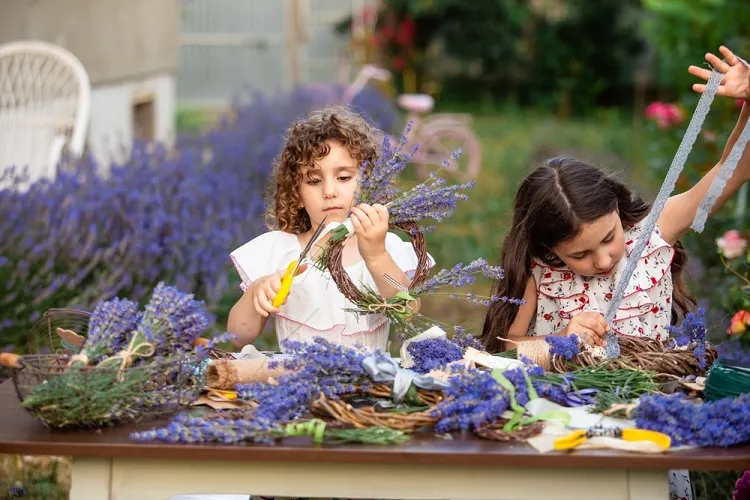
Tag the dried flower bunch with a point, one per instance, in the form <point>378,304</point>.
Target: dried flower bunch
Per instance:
<point>132,364</point>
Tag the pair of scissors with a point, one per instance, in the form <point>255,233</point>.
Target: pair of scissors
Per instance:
<point>579,437</point>
<point>291,270</point>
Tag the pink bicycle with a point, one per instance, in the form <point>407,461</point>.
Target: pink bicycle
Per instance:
<point>438,135</point>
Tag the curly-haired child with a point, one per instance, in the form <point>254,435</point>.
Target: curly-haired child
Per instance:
<point>316,177</point>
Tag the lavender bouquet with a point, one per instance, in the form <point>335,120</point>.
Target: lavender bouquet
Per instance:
<point>233,427</point>
<point>431,199</point>
<point>399,308</point>
<point>133,363</point>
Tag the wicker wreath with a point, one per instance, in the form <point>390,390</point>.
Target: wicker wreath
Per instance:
<point>345,284</point>
<point>341,411</point>
<point>644,354</point>
<point>495,431</point>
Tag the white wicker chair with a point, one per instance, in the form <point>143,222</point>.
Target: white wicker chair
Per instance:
<point>45,101</point>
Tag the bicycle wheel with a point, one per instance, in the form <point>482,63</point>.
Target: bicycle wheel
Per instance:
<point>438,144</point>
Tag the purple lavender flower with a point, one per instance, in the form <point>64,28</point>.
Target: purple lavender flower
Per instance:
<point>430,354</point>
<point>693,331</point>
<point>173,320</point>
<point>221,428</point>
<point>517,376</point>
<point>465,339</point>
<point>111,325</point>
<point>319,367</point>
<point>533,369</point>
<point>431,199</point>
<point>473,399</point>
<point>459,276</point>
<point>722,423</point>
<point>565,347</point>
<point>553,392</point>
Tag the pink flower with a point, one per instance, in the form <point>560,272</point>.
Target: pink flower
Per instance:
<point>732,244</point>
<point>664,114</point>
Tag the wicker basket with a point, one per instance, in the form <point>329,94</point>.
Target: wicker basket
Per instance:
<point>74,397</point>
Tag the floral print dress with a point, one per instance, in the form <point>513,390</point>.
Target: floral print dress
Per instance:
<point>645,310</point>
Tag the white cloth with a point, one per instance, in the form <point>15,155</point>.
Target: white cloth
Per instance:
<point>315,306</point>
<point>645,311</point>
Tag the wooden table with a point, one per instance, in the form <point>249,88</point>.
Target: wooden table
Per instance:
<point>108,465</point>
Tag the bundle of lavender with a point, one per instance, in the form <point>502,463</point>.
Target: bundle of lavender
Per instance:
<point>238,426</point>
<point>399,308</point>
<point>431,199</point>
<point>133,364</point>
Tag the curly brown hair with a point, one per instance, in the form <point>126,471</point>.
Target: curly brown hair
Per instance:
<point>306,143</point>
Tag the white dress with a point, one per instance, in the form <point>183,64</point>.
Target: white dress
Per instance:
<point>315,306</point>
<point>645,310</point>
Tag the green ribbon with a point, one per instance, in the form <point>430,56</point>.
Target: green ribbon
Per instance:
<point>315,428</point>
<point>517,421</point>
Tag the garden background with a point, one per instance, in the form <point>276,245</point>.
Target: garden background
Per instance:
<point>605,81</point>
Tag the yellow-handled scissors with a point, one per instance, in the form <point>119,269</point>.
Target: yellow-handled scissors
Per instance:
<point>291,270</point>
<point>579,437</point>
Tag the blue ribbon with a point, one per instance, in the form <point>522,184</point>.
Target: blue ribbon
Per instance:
<point>382,368</point>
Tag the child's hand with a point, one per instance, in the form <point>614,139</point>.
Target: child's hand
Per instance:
<point>589,326</point>
<point>265,288</point>
<point>736,80</point>
<point>370,225</point>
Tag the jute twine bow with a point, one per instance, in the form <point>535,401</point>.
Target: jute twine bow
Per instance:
<point>137,348</point>
<point>80,358</point>
<point>387,306</point>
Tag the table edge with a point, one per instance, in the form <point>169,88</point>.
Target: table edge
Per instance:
<point>333,455</point>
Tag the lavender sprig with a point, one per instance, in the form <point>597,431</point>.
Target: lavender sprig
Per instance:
<point>319,367</point>
<point>229,428</point>
<point>458,276</point>
<point>723,423</point>
<point>173,320</point>
<point>473,399</point>
<point>378,180</point>
<point>398,309</point>
<point>693,331</point>
<point>110,327</point>
<point>465,339</point>
<point>565,347</point>
<point>430,354</point>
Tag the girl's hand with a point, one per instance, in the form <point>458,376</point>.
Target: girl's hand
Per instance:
<point>370,225</point>
<point>589,326</point>
<point>736,80</point>
<point>265,288</point>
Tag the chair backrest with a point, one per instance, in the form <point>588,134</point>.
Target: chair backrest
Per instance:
<point>45,101</point>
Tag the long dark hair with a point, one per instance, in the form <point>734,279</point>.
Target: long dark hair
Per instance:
<point>551,205</point>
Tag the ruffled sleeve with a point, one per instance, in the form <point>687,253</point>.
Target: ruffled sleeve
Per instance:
<point>264,255</point>
<point>563,294</point>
